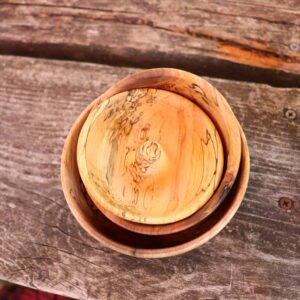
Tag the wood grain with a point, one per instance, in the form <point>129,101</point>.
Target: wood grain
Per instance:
<point>128,242</point>
<point>255,257</point>
<point>214,104</point>
<point>149,156</point>
<point>243,40</point>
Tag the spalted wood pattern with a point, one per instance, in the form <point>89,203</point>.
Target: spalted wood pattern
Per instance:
<point>219,38</point>
<point>149,156</point>
<point>207,97</point>
<point>255,257</point>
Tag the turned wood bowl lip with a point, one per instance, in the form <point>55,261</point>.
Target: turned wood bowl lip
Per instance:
<point>68,177</point>
<point>197,90</point>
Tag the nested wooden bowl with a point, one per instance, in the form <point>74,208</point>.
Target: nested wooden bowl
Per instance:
<point>192,223</point>
<point>141,245</point>
<point>149,156</point>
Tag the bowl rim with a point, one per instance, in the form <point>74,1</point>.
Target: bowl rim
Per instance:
<point>83,220</point>
<point>189,208</point>
<point>187,85</point>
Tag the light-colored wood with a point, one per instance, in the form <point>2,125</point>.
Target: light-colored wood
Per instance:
<point>183,83</point>
<point>43,246</point>
<point>214,104</point>
<point>130,243</point>
<point>149,156</point>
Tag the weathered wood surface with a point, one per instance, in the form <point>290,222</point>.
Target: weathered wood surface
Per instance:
<point>255,257</point>
<point>216,38</point>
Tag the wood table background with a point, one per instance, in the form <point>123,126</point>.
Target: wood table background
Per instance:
<point>56,56</point>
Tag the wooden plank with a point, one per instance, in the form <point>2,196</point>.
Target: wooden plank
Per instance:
<point>242,40</point>
<point>255,257</point>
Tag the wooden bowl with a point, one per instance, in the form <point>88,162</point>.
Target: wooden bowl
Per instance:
<point>175,206</point>
<point>142,245</point>
<point>149,156</point>
<point>134,244</point>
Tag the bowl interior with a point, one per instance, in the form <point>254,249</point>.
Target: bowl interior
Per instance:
<point>205,96</point>
<point>149,156</point>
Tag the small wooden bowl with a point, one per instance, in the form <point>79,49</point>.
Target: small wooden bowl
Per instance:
<point>149,156</point>
<point>134,244</point>
<point>205,96</point>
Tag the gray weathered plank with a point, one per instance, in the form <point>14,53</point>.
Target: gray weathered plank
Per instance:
<point>255,257</point>
<point>217,38</point>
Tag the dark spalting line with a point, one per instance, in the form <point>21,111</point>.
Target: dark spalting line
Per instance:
<point>136,196</point>
<point>169,86</point>
<point>216,165</point>
<point>111,160</point>
<point>195,87</point>
<point>145,193</point>
<point>125,159</point>
<point>110,113</point>
<point>209,140</point>
<point>200,184</point>
<point>152,194</point>
<point>216,155</point>
<point>203,142</point>
<point>157,154</point>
